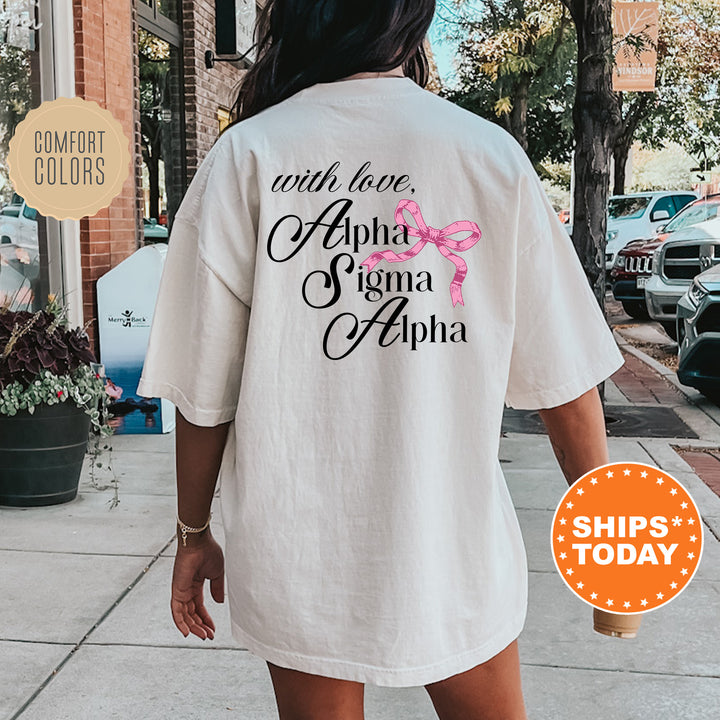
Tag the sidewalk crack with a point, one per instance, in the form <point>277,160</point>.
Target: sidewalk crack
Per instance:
<point>85,637</point>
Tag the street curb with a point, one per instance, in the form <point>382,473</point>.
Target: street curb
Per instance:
<point>695,398</point>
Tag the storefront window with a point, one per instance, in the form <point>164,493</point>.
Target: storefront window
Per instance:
<point>167,8</point>
<point>162,133</point>
<point>23,232</point>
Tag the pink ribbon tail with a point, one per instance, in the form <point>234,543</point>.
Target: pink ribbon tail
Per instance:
<point>460,273</point>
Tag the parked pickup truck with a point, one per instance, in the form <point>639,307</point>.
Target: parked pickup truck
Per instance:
<point>633,265</point>
<point>674,266</point>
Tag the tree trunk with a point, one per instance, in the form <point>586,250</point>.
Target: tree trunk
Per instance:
<point>596,122</point>
<point>621,151</point>
<point>628,126</point>
<point>518,114</point>
<point>153,168</point>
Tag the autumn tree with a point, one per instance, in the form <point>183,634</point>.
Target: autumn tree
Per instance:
<point>688,73</point>
<point>515,66</point>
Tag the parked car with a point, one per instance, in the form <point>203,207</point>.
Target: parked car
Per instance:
<point>674,266</point>
<point>630,274</point>
<point>637,216</point>
<point>19,252</point>
<point>698,331</point>
<point>18,224</point>
<point>154,232</point>
<point>632,268</point>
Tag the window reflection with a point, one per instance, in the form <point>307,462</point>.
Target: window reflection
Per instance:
<point>23,240</point>
<point>161,134</point>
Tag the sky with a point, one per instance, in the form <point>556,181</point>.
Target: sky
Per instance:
<point>443,50</point>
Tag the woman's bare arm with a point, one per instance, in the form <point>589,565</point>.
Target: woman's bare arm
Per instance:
<point>198,452</point>
<point>577,434</point>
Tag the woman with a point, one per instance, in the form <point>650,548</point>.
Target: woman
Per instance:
<point>360,276</point>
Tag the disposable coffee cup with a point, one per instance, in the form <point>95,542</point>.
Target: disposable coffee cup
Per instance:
<point>616,624</point>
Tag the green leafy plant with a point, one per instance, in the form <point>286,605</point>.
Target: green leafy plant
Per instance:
<point>43,361</point>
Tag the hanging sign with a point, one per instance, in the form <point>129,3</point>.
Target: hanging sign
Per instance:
<point>234,27</point>
<point>635,31</point>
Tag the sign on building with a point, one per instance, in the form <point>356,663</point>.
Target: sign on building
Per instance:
<point>635,30</point>
<point>234,27</point>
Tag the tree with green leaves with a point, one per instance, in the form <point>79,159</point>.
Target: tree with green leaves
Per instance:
<point>683,108</point>
<point>15,102</point>
<point>515,67</point>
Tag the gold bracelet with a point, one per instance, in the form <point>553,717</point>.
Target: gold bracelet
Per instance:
<point>185,529</point>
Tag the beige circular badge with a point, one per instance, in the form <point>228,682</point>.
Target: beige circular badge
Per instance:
<point>69,158</point>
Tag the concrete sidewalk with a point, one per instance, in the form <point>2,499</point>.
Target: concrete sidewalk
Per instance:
<point>86,632</point>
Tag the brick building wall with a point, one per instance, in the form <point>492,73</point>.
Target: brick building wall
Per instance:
<point>106,71</point>
<point>206,90</point>
<point>105,60</point>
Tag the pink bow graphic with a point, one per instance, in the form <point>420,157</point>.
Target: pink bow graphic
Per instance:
<point>438,237</point>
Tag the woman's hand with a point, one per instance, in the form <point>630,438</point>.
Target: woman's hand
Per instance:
<point>193,565</point>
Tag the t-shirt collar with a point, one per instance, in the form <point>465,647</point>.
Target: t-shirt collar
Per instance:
<point>358,89</point>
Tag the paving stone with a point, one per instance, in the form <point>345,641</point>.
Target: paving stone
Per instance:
<point>535,489</point>
<point>25,666</point>
<point>146,473</point>
<point>627,450</point>
<point>680,638</point>
<point>139,525</point>
<point>642,384</point>
<point>123,682</point>
<point>58,597</point>
<point>706,466</point>
<point>528,452</point>
<point>553,693</point>
<point>196,684</point>
<point>613,394</point>
<point>535,526</point>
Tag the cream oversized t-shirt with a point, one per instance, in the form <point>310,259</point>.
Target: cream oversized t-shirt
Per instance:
<point>359,278</point>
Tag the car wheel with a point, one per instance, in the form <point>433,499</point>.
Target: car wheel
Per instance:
<point>636,309</point>
<point>670,328</point>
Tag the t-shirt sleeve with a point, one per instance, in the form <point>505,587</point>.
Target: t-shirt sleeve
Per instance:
<point>562,345</point>
<point>199,329</point>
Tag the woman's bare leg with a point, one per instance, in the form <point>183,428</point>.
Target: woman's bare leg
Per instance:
<point>301,696</point>
<point>491,691</point>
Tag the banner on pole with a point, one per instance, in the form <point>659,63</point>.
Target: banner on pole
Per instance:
<point>635,30</point>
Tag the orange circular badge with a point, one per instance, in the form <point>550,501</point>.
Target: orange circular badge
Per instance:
<point>69,158</point>
<point>627,538</point>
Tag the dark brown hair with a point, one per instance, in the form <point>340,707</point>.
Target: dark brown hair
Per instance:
<point>301,43</point>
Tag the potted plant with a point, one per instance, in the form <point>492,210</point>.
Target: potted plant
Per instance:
<point>51,398</point>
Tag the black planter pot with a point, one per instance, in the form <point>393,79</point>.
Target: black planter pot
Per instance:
<point>41,455</point>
